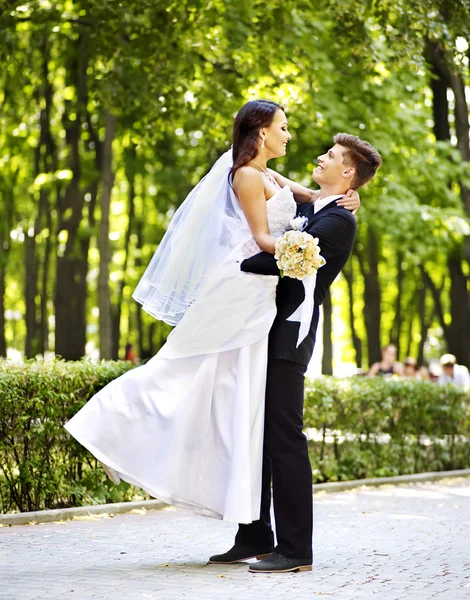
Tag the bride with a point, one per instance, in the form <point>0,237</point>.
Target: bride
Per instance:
<point>187,426</point>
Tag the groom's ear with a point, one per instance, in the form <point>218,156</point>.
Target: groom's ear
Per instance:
<point>349,172</point>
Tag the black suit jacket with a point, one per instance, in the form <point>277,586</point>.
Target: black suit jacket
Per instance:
<point>335,227</point>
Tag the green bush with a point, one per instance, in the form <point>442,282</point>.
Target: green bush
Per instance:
<point>363,428</point>
<point>41,465</point>
<point>382,427</point>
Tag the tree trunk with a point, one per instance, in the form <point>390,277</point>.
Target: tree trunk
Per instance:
<point>327,358</point>
<point>372,296</point>
<point>31,271</point>
<point>152,349</point>
<point>437,298</point>
<point>461,114</point>
<point>424,324</point>
<point>356,340</point>
<point>397,322</point>
<point>36,311</point>
<point>43,321</point>
<point>458,331</point>
<point>104,292</point>
<point>460,297</point>
<point>439,85</point>
<point>72,265</point>
<point>130,175</point>
<point>143,350</point>
<point>3,340</point>
<point>409,333</point>
<point>7,205</point>
<point>30,293</point>
<point>70,307</point>
<point>440,108</point>
<point>49,164</point>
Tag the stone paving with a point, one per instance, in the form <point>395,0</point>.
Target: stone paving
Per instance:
<point>389,543</point>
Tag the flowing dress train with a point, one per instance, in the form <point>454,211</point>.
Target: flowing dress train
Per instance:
<point>187,426</point>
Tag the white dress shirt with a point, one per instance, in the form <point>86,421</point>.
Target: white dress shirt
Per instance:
<point>461,377</point>
<point>322,202</point>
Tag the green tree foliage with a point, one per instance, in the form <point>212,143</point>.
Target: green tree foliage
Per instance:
<point>163,81</point>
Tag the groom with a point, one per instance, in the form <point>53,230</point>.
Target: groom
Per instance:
<point>350,163</point>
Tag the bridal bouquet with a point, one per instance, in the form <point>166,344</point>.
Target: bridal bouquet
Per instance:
<point>298,254</point>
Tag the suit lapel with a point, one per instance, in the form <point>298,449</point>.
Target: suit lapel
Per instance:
<point>313,216</point>
<point>305,210</point>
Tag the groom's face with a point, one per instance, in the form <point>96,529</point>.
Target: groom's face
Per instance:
<point>331,168</point>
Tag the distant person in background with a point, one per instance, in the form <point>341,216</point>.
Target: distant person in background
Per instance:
<point>434,371</point>
<point>453,373</point>
<point>424,373</point>
<point>130,355</point>
<point>388,366</point>
<point>410,368</point>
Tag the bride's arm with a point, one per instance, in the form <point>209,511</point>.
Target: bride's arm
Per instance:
<point>249,188</point>
<point>303,195</point>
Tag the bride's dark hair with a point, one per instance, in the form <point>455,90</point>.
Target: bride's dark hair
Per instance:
<point>252,116</point>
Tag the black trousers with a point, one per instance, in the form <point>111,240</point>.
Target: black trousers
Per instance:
<point>287,465</point>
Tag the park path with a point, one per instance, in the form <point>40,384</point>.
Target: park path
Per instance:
<point>389,543</point>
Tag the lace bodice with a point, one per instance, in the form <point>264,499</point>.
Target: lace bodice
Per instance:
<point>280,208</point>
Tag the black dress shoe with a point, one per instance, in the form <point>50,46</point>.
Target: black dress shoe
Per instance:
<point>238,554</point>
<point>276,563</point>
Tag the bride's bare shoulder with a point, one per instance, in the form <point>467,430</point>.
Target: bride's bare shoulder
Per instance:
<point>247,176</point>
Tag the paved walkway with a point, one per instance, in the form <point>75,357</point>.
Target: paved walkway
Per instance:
<point>390,543</point>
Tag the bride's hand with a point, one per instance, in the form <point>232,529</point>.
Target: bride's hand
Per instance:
<point>351,201</point>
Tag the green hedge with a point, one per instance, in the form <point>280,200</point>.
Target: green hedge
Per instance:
<point>41,465</point>
<point>384,427</point>
<point>361,428</point>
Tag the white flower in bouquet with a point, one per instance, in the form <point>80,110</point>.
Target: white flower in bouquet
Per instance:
<point>298,254</point>
<point>298,223</point>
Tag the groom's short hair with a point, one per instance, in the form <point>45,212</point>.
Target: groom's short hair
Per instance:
<point>360,155</point>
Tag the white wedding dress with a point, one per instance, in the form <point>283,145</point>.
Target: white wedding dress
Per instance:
<point>187,426</point>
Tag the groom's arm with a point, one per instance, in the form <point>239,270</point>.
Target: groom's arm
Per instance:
<point>334,232</point>
<point>260,264</point>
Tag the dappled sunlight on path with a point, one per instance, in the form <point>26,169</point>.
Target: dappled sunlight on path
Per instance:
<point>391,543</point>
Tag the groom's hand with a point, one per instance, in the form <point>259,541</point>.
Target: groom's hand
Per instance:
<point>351,201</point>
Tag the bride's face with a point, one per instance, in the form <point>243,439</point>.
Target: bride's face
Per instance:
<point>276,136</point>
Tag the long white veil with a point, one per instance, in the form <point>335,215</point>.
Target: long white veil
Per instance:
<point>201,234</point>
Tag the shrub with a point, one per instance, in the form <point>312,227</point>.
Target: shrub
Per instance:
<point>382,427</point>
<point>363,427</point>
<point>41,465</point>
